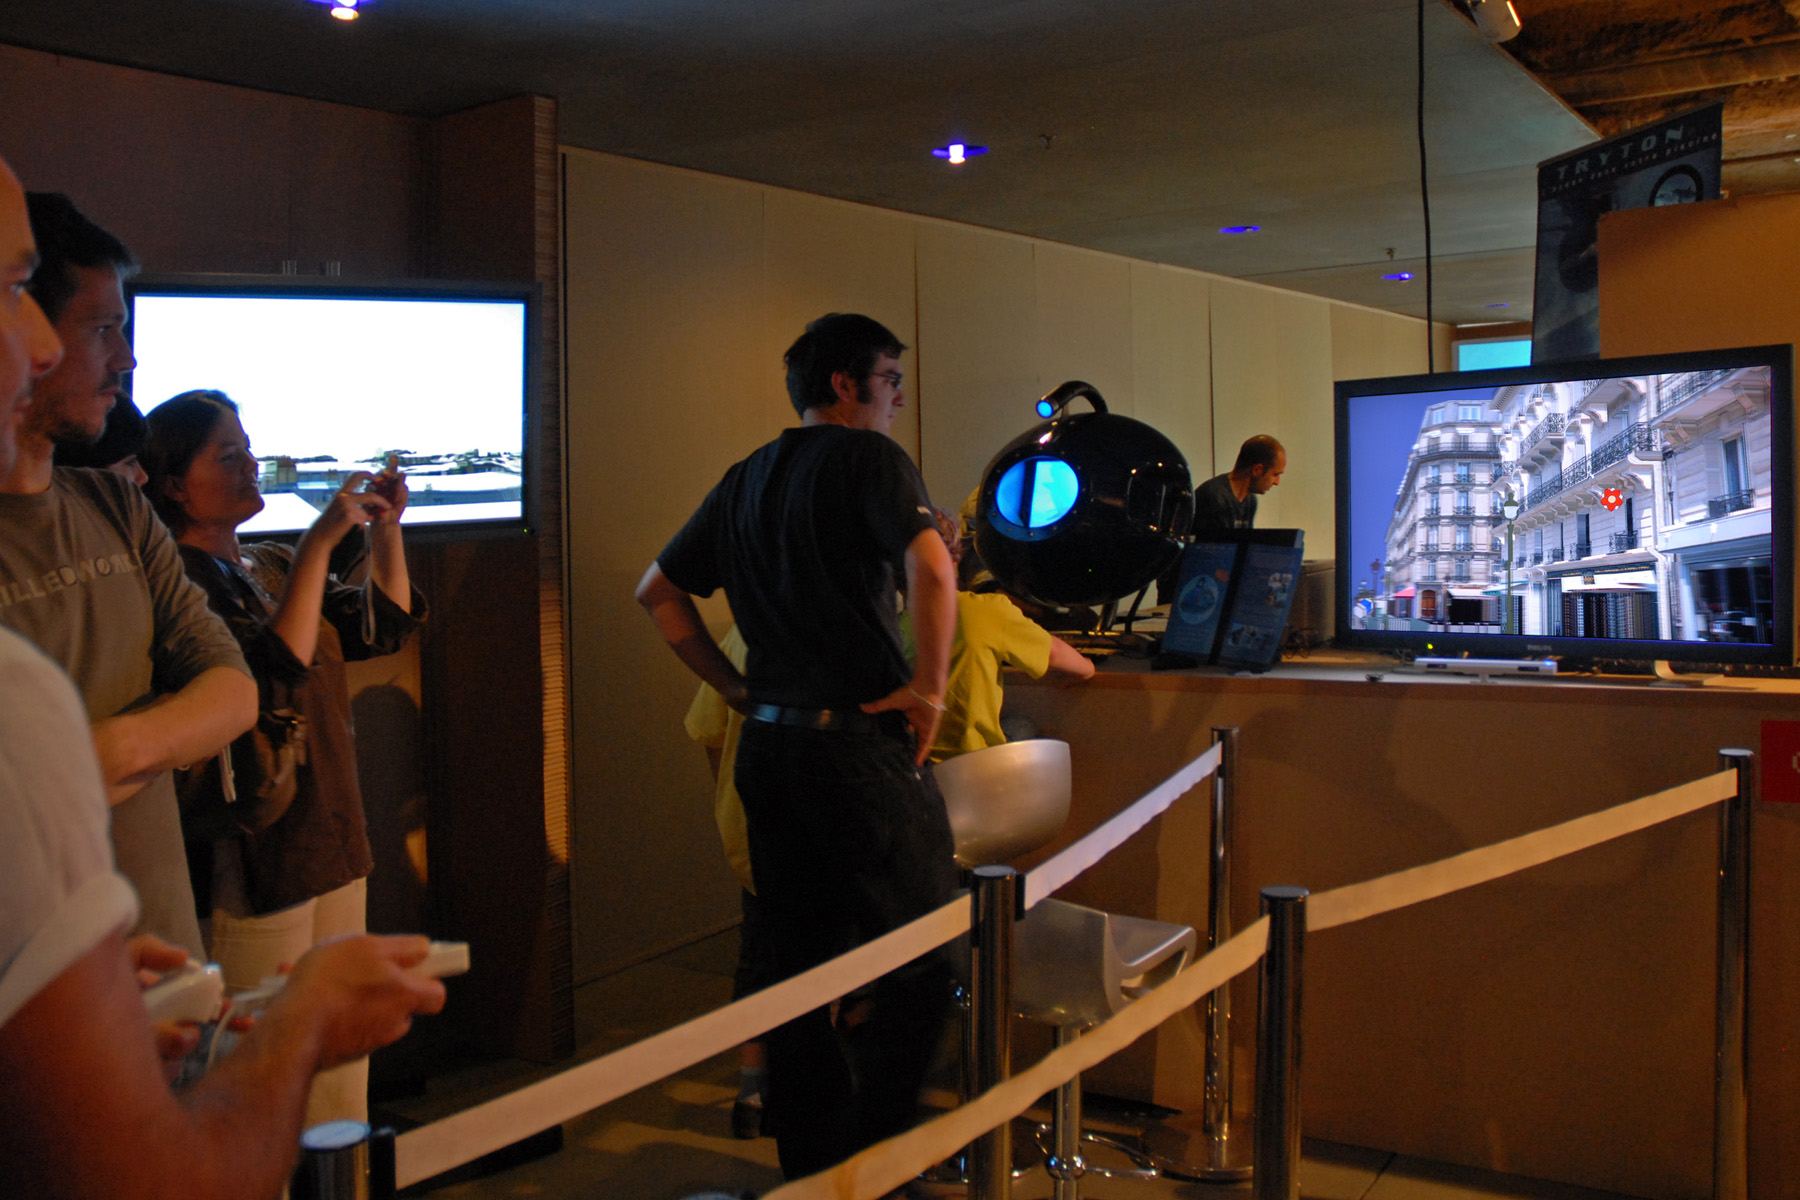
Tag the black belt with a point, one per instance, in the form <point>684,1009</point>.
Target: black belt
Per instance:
<point>824,720</point>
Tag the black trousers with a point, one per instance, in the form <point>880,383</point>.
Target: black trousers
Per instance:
<point>848,840</point>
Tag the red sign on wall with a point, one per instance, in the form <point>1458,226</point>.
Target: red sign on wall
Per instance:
<point>1781,761</point>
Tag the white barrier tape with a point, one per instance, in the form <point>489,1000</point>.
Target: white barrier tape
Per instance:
<point>435,1148</point>
<point>1356,901</point>
<point>887,1165</point>
<point>1053,874</point>
<point>443,1145</point>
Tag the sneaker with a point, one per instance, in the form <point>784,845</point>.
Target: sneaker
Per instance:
<point>747,1118</point>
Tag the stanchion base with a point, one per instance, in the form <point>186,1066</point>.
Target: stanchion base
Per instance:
<point>1182,1150</point>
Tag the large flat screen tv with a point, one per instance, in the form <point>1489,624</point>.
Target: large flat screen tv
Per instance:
<point>331,378</point>
<point>1651,506</point>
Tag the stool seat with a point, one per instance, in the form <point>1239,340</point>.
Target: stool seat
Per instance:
<point>1077,966</point>
<point>1005,800</point>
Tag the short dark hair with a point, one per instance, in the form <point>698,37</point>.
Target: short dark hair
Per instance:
<point>122,438</point>
<point>1259,451</point>
<point>179,428</point>
<point>847,342</point>
<point>67,239</point>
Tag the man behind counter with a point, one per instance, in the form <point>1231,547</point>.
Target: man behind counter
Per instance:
<point>848,840</point>
<point>1227,502</point>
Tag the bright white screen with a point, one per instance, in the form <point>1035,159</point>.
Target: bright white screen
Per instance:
<point>342,381</point>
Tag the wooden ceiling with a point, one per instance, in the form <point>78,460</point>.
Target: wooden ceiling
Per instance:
<point>1624,63</point>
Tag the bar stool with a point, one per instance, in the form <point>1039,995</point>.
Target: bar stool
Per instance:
<point>1074,967</point>
<point>1005,800</point>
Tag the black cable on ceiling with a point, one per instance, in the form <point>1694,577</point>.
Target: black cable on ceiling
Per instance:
<point>1425,199</point>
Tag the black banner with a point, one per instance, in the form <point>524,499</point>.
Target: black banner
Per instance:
<point>1675,161</point>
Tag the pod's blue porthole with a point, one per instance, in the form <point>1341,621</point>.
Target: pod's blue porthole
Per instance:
<point>1036,492</point>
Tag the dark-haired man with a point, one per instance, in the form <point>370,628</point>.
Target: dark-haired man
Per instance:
<point>1227,503</point>
<point>809,537</point>
<point>89,574</point>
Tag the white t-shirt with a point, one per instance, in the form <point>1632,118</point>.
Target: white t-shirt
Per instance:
<point>59,893</point>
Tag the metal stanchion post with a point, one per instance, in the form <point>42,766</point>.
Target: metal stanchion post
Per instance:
<point>994,899</point>
<point>344,1160</point>
<point>1212,1150</point>
<point>1731,1170</point>
<point>1277,1133</point>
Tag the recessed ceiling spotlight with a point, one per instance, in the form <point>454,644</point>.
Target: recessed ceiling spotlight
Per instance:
<point>1240,229</point>
<point>1399,276</point>
<point>345,10</point>
<point>958,153</point>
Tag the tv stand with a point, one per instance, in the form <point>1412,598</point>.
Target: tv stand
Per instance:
<point>1484,669</point>
<point>1666,676</point>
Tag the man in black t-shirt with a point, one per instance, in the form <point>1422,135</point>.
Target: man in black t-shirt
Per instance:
<point>810,537</point>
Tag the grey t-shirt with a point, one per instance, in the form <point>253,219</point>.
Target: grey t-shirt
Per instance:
<point>90,575</point>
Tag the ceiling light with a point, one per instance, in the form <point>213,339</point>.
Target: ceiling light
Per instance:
<point>1498,20</point>
<point>1500,304</point>
<point>958,153</point>
<point>345,10</point>
<point>1240,229</point>
<point>1399,276</point>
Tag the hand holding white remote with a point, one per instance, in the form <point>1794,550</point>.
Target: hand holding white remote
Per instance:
<point>193,993</point>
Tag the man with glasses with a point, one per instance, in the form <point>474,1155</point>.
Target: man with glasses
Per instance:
<point>810,537</point>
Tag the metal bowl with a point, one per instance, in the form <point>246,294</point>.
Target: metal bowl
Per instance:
<point>1007,800</point>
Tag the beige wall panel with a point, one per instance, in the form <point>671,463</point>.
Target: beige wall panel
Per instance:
<point>1171,351</point>
<point>1083,324</point>
<point>1700,276</point>
<point>1271,358</point>
<point>829,256</point>
<point>977,352</point>
<point>1366,344</point>
<point>664,280</point>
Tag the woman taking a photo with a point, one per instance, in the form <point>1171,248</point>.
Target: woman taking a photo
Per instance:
<point>278,845</point>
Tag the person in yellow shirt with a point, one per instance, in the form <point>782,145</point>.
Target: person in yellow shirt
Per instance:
<point>716,725</point>
<point>991,635</point>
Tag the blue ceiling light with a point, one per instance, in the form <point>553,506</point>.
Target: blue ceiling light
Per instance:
<point>1499,304</point>
<point>345,10</point>
<point>958,153</point>
<point>1240,229</point>
<point>1399,276</point>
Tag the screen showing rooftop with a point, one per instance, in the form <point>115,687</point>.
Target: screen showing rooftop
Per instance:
<point>329,383</point>
<point>1625,509</point>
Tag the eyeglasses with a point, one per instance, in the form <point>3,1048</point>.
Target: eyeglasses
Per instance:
<point>894,377</point>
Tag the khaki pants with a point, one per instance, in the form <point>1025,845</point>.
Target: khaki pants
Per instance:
<point>249,948</point>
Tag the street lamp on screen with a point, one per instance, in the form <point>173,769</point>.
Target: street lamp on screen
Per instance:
<point>1509,508</point>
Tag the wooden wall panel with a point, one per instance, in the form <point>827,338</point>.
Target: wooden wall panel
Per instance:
<point>201,177</point>
<point>1272,374</point>
<point>1369,344</point>
<point>1700,276</point>
<point>977,352</point>
<point>1171,335</point>
<point>823,256</point>
<point>1084,328</point>
<point>670,380</point>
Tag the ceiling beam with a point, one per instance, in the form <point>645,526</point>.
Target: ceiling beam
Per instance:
<point>1680,76</point>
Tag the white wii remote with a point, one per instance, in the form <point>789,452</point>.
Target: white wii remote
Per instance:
<point>443,960</point>
<point>192,993</point>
